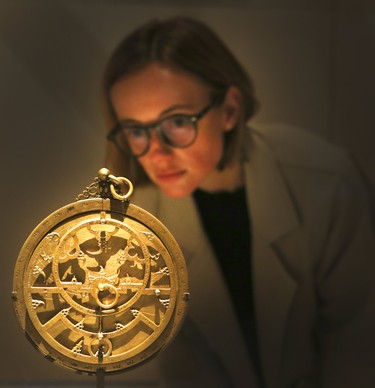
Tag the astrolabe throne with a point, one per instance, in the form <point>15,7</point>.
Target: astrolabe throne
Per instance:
<point>100,285</point>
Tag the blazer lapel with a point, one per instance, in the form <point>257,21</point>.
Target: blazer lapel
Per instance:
<point>273,215</point>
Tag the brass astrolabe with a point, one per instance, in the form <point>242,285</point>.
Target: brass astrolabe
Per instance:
<point>100,285</point>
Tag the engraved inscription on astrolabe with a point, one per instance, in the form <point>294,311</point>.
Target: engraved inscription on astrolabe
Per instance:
<point>100,283</point>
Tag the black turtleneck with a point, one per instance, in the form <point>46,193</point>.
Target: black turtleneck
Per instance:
<point>224,216</point>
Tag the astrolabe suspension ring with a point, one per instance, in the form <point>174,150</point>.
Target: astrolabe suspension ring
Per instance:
<point>101,284</point>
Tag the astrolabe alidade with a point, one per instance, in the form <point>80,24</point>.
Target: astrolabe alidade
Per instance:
<point>101,284</point>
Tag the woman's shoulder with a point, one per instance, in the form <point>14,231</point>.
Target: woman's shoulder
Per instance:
<point>298,147</point>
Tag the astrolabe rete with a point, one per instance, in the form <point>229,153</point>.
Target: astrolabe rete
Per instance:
<point>100,283</point>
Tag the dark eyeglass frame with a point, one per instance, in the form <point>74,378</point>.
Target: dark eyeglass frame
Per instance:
<point>194,118</point>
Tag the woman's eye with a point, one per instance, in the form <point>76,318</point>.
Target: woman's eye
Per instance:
<point>135,132</point>
<point>179,121</point>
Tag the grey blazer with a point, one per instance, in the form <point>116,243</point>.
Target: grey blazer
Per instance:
<point>313,257</point>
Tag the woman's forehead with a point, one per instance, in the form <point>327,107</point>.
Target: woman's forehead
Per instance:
<point>159,87</point>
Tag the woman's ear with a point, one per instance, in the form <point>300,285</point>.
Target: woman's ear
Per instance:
<point>232,107</point>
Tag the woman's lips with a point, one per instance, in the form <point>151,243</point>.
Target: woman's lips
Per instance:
<point>169,176</point>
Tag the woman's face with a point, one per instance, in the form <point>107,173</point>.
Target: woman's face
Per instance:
<point>157,92</point>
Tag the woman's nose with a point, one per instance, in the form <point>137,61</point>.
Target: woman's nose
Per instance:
<point>157,146</point>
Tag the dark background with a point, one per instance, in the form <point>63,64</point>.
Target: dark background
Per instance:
<point>313,63</point>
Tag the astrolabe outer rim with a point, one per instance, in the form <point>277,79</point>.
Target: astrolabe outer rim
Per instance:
<point>87,207</point>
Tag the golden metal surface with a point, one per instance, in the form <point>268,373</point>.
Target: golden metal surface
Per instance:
<point>100,284</point>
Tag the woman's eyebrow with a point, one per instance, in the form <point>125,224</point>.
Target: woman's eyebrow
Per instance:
<point>163,114</point>
<point>173,108</point>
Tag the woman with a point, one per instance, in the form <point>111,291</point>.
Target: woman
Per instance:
<point>274,222</point>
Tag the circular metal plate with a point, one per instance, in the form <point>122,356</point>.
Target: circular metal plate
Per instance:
<point>100,284</point>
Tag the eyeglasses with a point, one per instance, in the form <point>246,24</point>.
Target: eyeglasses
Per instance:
<point>178,130</point>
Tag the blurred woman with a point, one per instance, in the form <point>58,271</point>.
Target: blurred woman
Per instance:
<point>274,222</point>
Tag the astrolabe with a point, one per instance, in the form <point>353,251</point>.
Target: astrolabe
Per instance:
<point>101,284</point>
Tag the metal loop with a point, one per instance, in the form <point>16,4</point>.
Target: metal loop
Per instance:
<point>114,179</point>
<point>117,181</point>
